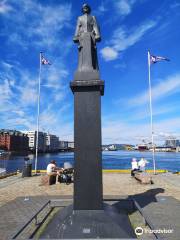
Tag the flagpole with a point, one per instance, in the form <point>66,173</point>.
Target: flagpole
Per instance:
<point>38,109</point>
<point>151,115</point>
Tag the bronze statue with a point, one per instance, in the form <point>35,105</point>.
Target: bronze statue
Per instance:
<point>86,35</point>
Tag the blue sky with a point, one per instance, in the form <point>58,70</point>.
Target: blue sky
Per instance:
<point>128,28</point>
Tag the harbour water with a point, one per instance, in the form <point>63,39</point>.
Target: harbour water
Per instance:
<point>111,160</point>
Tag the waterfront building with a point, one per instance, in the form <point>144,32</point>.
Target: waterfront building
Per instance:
<point>70,145</point>
<point>63,145</point>
<point>32,140</point>
<point>52,143</point>
<point>12,140</point>
<point>162,149</point>
<point>172,143</point>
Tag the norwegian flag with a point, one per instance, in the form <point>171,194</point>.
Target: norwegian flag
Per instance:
<point>44,61</point>
<point>155,59</point>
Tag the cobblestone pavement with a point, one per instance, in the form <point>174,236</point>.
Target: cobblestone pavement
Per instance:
<point>27,187</point>
<point>14,211</point>
<point>113,184</point>
<point>123,184</point>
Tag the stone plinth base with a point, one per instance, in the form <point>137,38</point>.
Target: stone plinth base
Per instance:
<point>91,224</point>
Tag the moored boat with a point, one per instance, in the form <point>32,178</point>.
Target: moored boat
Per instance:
<point>2,171</point>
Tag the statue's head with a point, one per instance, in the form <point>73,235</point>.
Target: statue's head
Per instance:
<point>86,8</point>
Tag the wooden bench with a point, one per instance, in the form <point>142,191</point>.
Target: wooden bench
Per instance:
<point>143,177</point>
<point>48,180</point>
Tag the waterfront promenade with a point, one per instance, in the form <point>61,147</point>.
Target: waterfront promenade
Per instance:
<point>14,211</point>
<point>113,184</point>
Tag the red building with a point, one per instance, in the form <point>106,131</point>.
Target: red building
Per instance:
<point>13,141</point>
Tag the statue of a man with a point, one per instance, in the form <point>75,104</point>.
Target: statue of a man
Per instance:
<point>86,35</point>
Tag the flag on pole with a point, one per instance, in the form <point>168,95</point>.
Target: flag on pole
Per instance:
<point>155,59</point>
<point>44,61</point>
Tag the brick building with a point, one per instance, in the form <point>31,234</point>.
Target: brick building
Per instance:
<point>11,140</point>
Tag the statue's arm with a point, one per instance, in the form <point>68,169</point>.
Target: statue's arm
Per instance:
<point>96,30</point>
<point>76,35</point>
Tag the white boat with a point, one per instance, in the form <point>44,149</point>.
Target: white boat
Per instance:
<point>2,171</point>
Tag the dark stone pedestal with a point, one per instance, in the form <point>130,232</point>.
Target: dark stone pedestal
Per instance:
<point>88,217</point>
<point>91,224</point>
<point>87,138</point>
<point>86,76</point>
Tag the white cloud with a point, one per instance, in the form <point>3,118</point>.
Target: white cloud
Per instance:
<point>14,111</point>
<point>5,91</point>
<point>53,80</point>
<point>102,8</point>
<point>49,25</point>
<point>21,123</point>
<point>123,39</point>
<point>109,53</point>
<point>29,96</point>
<point>37,24</point>
<point>18,95</point>
<point>121,7</point>
<point>170,125</point>
<point>18,85</point>
<point>55,74</point>
<point>55,122</point>
<point>114,131</point>
<point>164,88</point>
<point>175,5</point>
<point>4,7</point>
<point>47,117</point>
<point>157,111</point>
<point>130,128</point>
<point>19,112</point>
<point>124,7</point>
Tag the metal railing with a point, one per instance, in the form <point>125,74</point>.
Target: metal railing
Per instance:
<point>146,220</point>
<point>35,217</point>
<point>51,204</point>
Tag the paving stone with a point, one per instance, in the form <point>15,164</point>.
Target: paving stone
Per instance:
<point>163,213</point>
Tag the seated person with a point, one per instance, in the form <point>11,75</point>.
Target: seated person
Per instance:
<point>134,166</point>
<point>52,169</point>
<point>142,164</point>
